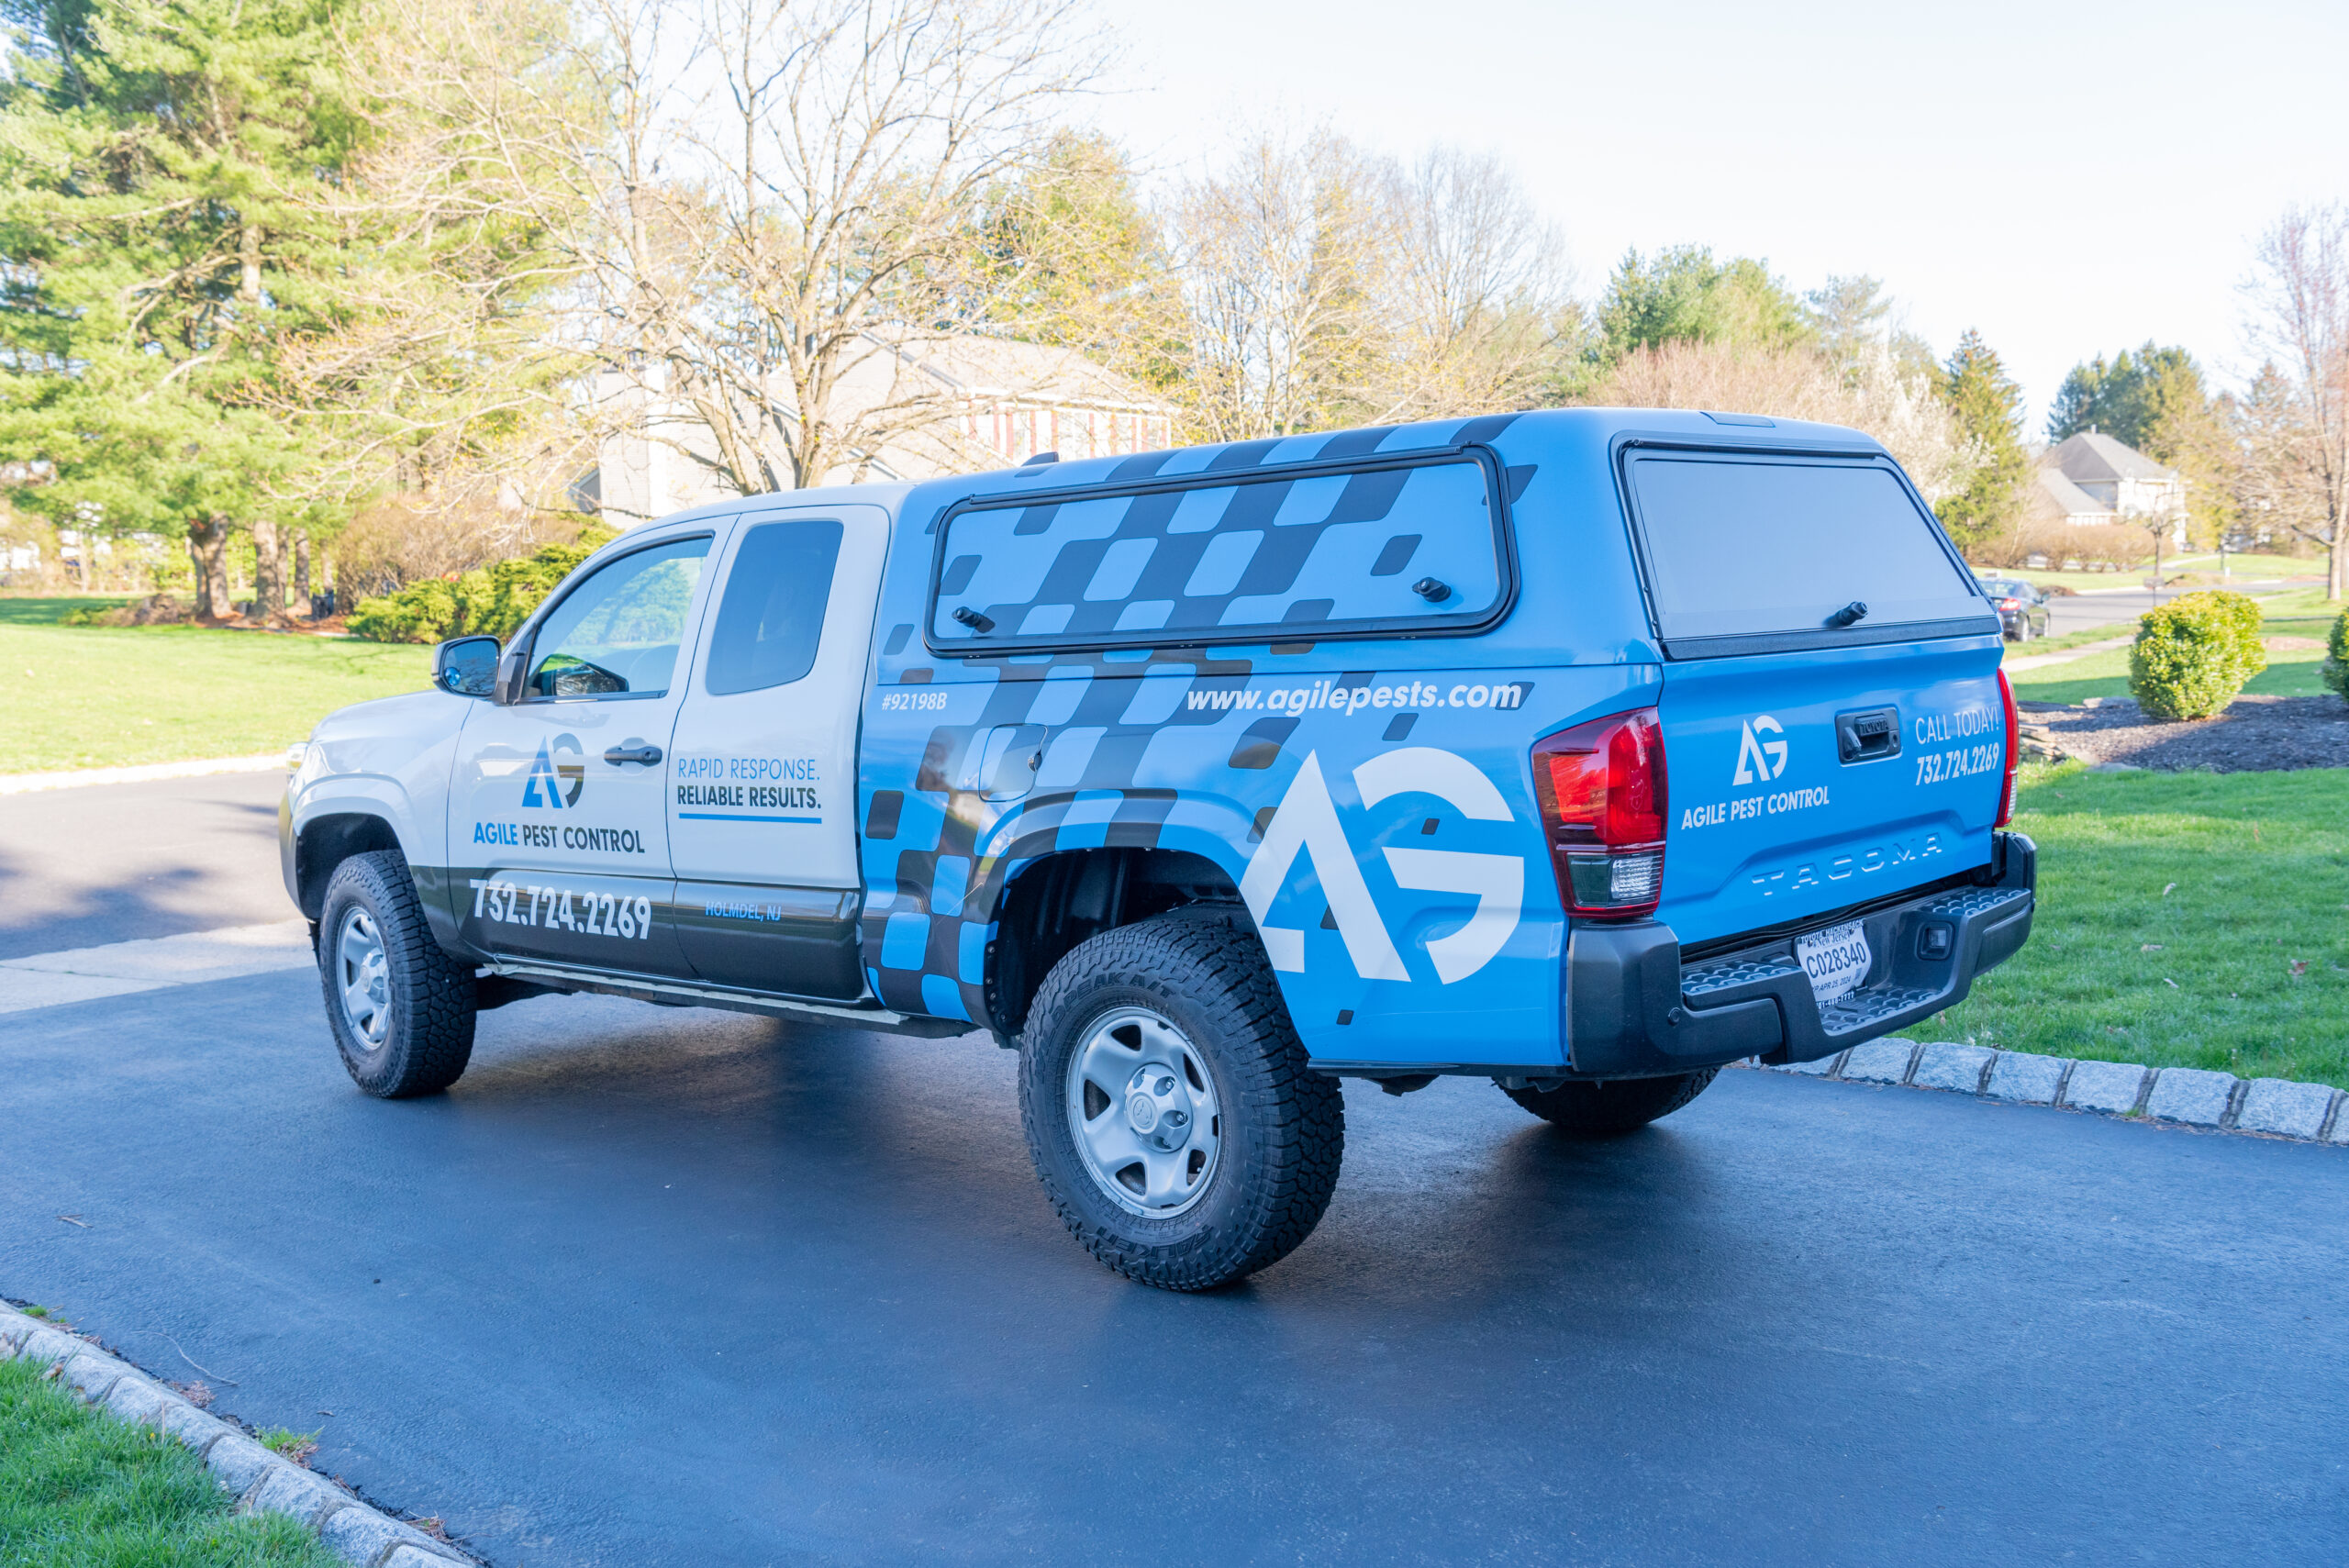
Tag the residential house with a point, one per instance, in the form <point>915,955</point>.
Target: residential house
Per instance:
<point>984,402</point>
<point>2091,480</point>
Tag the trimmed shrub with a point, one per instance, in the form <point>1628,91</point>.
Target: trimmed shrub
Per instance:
<point>493,600</point>
<point>2193,654</point>
<point>2336,656</point>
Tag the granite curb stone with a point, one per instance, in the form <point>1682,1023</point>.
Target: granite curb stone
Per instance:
<point>353,1529</point>
<point>2281,1106</point>
<point>2116,1088</point>
<point>1823,1068</point>
<point>1883,1060</point>
<point>2186,1096</point>
<point>1962,1069</point>
<point>2026,1079</point>
<point>2193,1096</point>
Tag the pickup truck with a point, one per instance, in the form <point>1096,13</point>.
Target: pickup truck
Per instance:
<point>1586,750</point>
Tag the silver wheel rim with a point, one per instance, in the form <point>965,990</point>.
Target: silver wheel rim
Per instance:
<point>362,976</point>
<point>1143,1114</point>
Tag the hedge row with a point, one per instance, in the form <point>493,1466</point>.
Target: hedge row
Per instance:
<point>493,600</point>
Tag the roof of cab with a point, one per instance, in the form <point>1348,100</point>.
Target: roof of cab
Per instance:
<point>888,495</point>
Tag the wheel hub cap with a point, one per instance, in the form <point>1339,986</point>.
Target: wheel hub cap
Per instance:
<point>363,975</point>
<point>1143,1114</point>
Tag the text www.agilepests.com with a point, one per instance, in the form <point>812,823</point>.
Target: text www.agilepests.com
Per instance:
<point>1351,699</point>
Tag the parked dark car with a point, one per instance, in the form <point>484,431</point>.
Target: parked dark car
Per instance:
<point>2023,609</point>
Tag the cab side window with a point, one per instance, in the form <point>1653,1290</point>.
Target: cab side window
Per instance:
<point>617,633</point>
<point>772,616</point>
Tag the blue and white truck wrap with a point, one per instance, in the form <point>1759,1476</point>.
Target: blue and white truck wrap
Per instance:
<point>1586,749</point>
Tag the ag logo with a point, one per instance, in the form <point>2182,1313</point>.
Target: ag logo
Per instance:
<point>547,770</point>
<point>1306,820</point>
<point>1760,760</point>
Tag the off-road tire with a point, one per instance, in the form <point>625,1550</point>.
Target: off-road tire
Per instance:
<point>1283,1126</point>
<point>430,1037</point>
<point>1607,1107</point>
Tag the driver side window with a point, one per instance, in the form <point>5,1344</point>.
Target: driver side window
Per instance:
<point>617,633</point>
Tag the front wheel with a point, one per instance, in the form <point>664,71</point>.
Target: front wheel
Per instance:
<point>1168,1106</point>
<point>401,1010</point>
<point>1601,1109</point>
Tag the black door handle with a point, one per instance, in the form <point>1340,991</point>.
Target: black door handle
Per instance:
<point>639,753</point>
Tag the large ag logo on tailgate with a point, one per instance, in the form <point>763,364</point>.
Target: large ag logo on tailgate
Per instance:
<point>1760,760</point>
<point>1307,821</point>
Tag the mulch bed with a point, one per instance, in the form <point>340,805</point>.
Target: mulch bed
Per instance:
<point>2253,734</point>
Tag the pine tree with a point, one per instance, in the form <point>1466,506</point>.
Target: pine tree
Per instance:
<point>1686,296</point>
<point>1988,406</point>
<point>153,160</point>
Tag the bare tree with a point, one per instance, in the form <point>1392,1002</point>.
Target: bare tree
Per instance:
<point>807,227</point>
<point>2299,298</point>
<point>1277,256</point>
<point>1476,288</point>
<point>1898,408</point>
<point>1326,286</point>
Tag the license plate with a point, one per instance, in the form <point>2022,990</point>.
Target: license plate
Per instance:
<point>1836,960</point>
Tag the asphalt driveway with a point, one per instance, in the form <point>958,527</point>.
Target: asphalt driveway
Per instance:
<point>661,1287</point>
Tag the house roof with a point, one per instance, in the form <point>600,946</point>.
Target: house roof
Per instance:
<point>2069,498</point>
<point>1004,367</point>
<point>2089,456</point>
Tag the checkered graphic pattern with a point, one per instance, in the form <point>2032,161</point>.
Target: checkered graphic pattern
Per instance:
<point>954,808</point>
<point>1283,556</point>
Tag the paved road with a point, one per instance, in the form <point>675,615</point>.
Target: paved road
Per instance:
<point>2078,612</point>
<point>656,1286</point>
<point>79,867</point>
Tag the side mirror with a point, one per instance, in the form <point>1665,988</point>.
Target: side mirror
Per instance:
<point>466,666</point>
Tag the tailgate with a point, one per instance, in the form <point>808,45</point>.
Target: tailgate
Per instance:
<point>1805,782</point>
<point>1833,730</point>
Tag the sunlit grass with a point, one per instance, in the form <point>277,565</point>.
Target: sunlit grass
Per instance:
<point>79,1489</point>
<point>112,697</point>
<point>2185,919</point>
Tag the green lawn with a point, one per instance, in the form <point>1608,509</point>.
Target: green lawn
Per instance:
<point>2174,910</point>
<point>81,1490</point>
<point>2239,568</point>
<point>112,697</point>
<point>2295,673</point>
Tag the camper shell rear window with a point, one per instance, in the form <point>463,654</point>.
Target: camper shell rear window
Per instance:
<point>1750,553</point>
<point>1408,546</point>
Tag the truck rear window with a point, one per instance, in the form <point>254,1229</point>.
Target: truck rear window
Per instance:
<point>1404,546</point>
<point>1744,546</point>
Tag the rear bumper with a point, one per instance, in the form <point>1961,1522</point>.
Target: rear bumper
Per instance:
<point>1633,1010</point>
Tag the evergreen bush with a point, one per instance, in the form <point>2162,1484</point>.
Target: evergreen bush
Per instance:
<point>491,600</point>
<point>2193,654</point>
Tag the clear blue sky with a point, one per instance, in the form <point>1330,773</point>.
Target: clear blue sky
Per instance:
<point>2070,178</point>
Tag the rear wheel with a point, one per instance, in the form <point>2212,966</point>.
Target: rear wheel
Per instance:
<point>1168,1106</point>
<point>402,1010</point>
<point>1611,1106</point>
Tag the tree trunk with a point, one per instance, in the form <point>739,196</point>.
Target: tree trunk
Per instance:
<point>207,547</point>
<point>301,601</point>
<point>269,570</point>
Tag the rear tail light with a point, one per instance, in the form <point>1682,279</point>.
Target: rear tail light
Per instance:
<point>2010,604</point>
<point>1602,790</point>
<point>2014,754</point>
